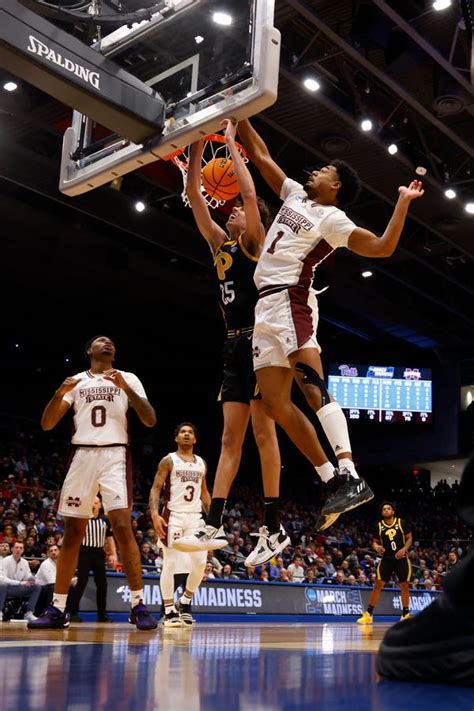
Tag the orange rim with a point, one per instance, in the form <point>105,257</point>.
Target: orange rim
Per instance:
<point>210,138</point>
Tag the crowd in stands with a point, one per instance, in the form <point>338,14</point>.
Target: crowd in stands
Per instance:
<point>31,476</point>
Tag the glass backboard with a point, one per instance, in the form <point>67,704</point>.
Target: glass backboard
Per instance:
<point>207,58</point>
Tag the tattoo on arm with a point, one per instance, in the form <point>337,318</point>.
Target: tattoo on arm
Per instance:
<point>162,473</point>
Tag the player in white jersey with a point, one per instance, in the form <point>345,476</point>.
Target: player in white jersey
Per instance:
<point>181,478</point>
<point>100,397</point>
<point>308,227</point>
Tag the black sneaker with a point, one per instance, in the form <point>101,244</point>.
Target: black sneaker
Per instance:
<point>184,612</point>
<point>172,619</point>
<point>102,618</point>
<point>51,619</point>
<point>345,493</point>
<point>435,646</point>
<point>140,617</point>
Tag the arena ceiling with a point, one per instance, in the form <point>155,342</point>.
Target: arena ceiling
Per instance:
<point>409,73</point>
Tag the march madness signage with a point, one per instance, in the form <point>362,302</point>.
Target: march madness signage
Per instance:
<point>248,598</point>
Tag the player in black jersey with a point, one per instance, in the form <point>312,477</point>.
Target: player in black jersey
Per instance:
<point>236,253</point>
<point>392,540</point>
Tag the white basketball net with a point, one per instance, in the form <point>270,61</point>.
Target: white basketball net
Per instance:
<point>213,148</point>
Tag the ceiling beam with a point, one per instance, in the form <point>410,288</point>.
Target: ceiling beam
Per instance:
<point>428,48</point>
<point>311,17</point>
<point>348,118</point>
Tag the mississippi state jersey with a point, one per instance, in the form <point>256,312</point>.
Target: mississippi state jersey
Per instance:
<point>235,268</point>
<point>100,409</point>
<point>182,490</point>
<point>392,537</point>
<point>302,235</point>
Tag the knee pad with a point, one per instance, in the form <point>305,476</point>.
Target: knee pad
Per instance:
<point>311,377</point>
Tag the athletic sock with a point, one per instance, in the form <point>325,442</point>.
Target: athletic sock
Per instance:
<point>272,514</point>
<point>348,464</point>
<point>405,611</point>
<point>136,596</point>
<point>185,599</point>
<point>214,517</point>
<point>325,472</point>
<point>370,609</point>
<point>59,601</point>
<point>169,609</point>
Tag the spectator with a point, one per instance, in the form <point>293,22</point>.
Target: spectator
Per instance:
<point>296,569</point>
<point>16,581</point>
<point>208,572</point>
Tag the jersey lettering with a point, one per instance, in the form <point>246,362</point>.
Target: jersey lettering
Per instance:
<point>223,262</point>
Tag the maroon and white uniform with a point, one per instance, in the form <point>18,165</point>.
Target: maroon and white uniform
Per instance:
<point>302,235</point>
<point>182,497</point>
<point>101,460</point>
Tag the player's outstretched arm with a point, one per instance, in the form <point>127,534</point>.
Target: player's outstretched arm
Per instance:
<point>162,473</point>
<point>210,230</point>
<point>259,155</point>
<point>367,244</point>
<point>254,232</point>
<point>57,406</point>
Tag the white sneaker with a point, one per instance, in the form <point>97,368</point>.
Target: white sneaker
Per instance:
<point>1,616</point>
<point>206,538</point>
<point>29,617</point>
<point>268,546</point>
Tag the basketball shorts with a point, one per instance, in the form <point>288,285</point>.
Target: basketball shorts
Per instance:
<point>239,383</point>
<point>107,470</point>
<point>180,524</point>
<point>285,322</point>
<point>401,568</point>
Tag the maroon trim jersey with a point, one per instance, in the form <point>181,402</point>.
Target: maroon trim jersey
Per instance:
<point>302,235</point>
<point>100,409</point>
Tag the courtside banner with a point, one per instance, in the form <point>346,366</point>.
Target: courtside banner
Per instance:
<point>252,598</point>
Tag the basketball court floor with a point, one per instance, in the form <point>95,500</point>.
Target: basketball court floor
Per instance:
<point>211,667</point>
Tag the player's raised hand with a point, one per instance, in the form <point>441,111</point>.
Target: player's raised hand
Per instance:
<point>67,385</point>
<point>230,125</point>
<point>412,192</point>
<point>116,377</point>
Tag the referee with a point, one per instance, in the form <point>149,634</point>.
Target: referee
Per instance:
<point>92,557</point>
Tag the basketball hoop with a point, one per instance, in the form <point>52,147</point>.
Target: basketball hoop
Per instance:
<point>215,146</point>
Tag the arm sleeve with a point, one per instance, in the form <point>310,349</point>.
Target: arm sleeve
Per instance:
<point>290,186</point>
<point>336,228</point>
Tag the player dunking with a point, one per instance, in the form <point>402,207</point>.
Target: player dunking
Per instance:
<point>392,541</point>
<point>308,227</point>
<point>181,475</point>
<point>100,397</point>
<point>235,257</point>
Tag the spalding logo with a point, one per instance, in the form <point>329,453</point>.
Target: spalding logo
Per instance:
<point>83,73</point>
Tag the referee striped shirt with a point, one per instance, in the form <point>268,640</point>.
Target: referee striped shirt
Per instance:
<point>96,532</point>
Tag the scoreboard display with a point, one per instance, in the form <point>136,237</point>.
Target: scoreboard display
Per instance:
<point>382,393</point>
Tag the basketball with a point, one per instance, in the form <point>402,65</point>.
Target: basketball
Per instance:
<point>219,179</point>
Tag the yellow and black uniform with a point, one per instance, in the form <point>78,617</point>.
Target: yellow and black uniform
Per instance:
<point>393,537</point>
<point>235,267</point>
